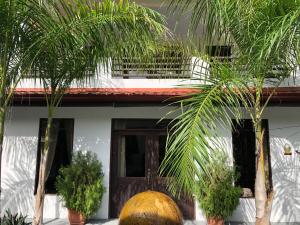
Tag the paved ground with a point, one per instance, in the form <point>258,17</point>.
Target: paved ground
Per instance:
<point>115,222</point>
<point>102,222</point>
<point>105,222</point>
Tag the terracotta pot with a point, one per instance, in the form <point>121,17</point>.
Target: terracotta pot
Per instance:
<point>215,221</point>
<point>75,218</point>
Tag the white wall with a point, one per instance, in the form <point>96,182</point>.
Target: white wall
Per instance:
<point>284,127</point>
<point>92,132</point>
<point>104,79</point>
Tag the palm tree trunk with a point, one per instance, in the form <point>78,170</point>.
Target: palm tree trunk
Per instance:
<point>40,194</point>
<point>263,196</point>
<point>45,156</point>
<point>2,120</point>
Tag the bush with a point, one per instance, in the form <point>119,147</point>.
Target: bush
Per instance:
<point>13,219</point>
<point>216,194</point>
<point>80,185</point>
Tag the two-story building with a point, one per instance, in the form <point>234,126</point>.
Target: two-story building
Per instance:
<point>115,115</point>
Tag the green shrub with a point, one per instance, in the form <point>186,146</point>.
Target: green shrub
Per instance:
<point>13,219</point>
<point>80,185</point>
<point>216,194</point>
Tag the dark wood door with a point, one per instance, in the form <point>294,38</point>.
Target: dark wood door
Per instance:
<point>136,156</point>
<point>185,203</point>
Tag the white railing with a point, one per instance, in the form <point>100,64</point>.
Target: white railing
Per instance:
<point>159,67</point>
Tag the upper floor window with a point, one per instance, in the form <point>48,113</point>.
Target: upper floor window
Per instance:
<point>224,54</point>
<point>219,52</point>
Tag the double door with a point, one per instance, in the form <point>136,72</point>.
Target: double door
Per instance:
<point>135,160</point>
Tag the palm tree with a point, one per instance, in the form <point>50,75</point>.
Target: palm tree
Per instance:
<point>264,34</point>
<point>92,34</point>
<point>13,16</point>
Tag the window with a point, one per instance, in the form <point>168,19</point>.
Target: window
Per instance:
<point>219,52</point>
<point>223,54</point>
<point>63,140</point>
<point>132,156</point>
<point>139,142</point>
<point>244,141</point>
<point>219,56</point>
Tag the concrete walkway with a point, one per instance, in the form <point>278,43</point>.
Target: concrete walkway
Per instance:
<point>115,222</point>
<point>104,222</point>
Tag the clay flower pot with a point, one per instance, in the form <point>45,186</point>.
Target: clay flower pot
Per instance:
<point>215,221</point>
<point>75,218</point>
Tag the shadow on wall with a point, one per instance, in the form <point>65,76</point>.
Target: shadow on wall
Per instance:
<point>245,211</point>
<point>286,180</point>
<point>18,169</point>
<point>18,176</point>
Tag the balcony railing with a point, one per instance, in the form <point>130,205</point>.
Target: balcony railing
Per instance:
<point>160,67</point>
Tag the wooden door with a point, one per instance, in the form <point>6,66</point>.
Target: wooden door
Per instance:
<point>135,159</point>
<point>159,183</point>
<point>130,168</point>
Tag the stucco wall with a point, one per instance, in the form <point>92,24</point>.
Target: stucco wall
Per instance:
<point>104,79</point>
<point>92,131</point>
<point>284,127</point>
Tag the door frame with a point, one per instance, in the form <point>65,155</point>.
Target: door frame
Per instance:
<point>115,133</point>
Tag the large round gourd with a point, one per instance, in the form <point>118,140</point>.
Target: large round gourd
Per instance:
<point>150,208</point>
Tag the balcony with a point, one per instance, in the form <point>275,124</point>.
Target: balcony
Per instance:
<point>166,65</point>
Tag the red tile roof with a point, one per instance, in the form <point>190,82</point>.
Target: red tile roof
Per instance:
<point>112,91</point>
<point>25,96</point>
<point>282,95</point>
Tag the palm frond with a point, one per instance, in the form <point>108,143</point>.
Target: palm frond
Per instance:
<point>66,41</point>
<point>264,34</point>
<point>194,137</point>
<point>106,29</point>
<point>13,16</point>
<point>207,15</point>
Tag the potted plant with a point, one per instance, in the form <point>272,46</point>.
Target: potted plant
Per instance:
<point>215,192</point>
<point>80,186</point>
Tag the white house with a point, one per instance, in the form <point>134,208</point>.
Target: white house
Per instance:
<point>115,116</point>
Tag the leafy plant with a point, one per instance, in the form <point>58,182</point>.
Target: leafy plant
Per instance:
<point>69,41</point>
<point>263,35</point>
<point>13,219</point>
<point>217,195</point>
<point>80,185</point>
